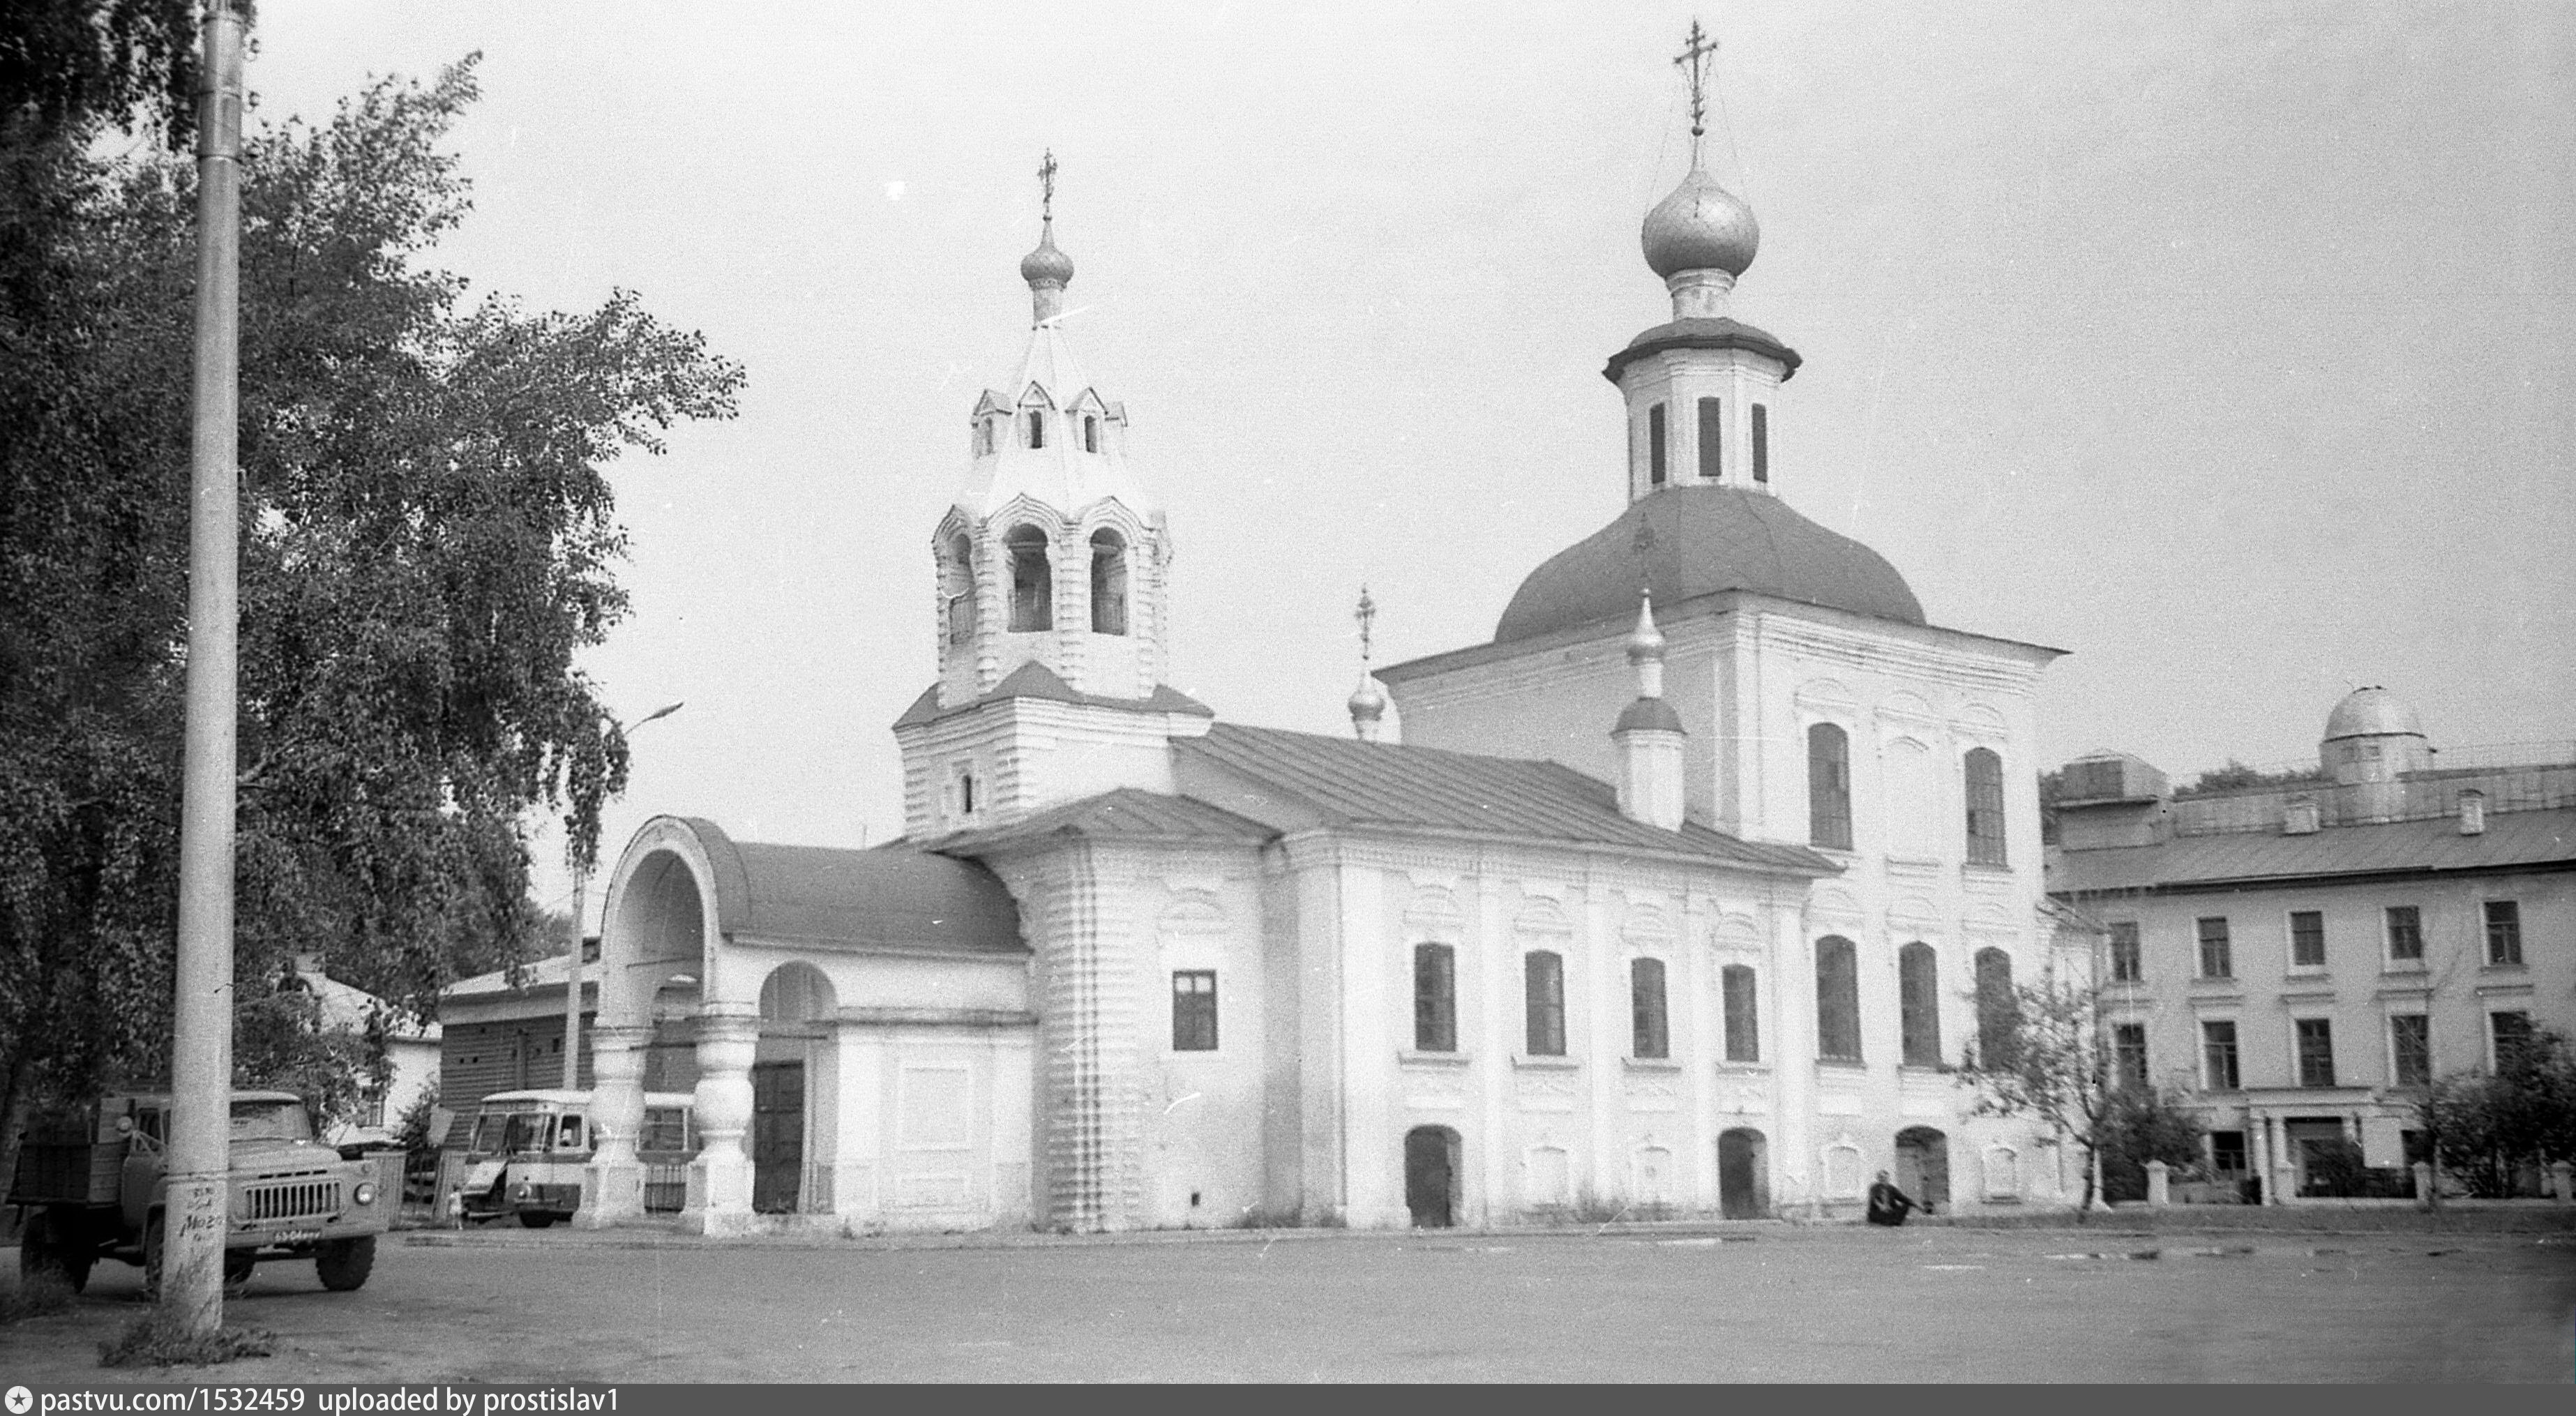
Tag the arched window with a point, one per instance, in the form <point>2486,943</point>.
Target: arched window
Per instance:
<point>1037,428</point>
<point>1435,998</point>
<point>1108,583</point>
<point>1918,997</point>
<point>1985,807</point>
<point>1743,1014</point>
<point>1543,984</point>
<point>958,590</point>
<point>1032,580</point>
<point>1837,999</point>
<point>1829,816</point>
<point>1712,439</point>
<point>1998,1012</point>
<point>1649,1027</point>
<point>1655,445</point>
<point>1090,432</point>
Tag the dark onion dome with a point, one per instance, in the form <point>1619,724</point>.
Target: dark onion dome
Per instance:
<point>1046,263</point>
<point>1651,714</point>
<point>1718,333</point>
<point>1701,226</point>
<point>1684,542</point>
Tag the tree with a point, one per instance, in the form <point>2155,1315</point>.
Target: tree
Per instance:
<point>2487,1127</point>
<point>2053,1062</point>
<point>428,541</point>
<point>2237,777</point>
<point>2143,1124</point>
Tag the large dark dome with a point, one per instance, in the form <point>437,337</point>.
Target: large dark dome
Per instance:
<point>1684,542</point>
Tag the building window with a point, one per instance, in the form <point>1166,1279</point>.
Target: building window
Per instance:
<point>1655,445</point>
<point>1032,580</point>
<point>1837,999</point>
<point>1649,1029</point>
<point>1743,1014</point>
<point>1829,817</point>
<point>2227,1152</point>
<point>2410,1050</point>
<point>2218,1056</point>
<point>2127,965</point>
<point>2511,1034</point>
<point>1108,583</point>
<point>983,437</point>
<point>1194,1010</point>
<point>2129,1055</point>
<point>1761,443</point>
<point>1998,1011</point>
<point>1435,998</point>
<point>1037,428</point>
<point>1090,433</point>
<point>959,575</point>
<point>2405,934</point>
<point>1712,439</point>
<point>2307,939</point>
<point>2504,932</point>
<point>2215,962</point>
<point>1985,807</point>
<point>966,791</point>
<point>2316,1052</point>
<point>1543,989</point>
<point>1918,996</point>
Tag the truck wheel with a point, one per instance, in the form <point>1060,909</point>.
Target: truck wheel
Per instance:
<point>54,1246</point>
<point>344,1264</point>
<point>238,1264</point>
<point>535,1219</point>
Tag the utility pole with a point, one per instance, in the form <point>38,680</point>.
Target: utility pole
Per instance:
<point>191,1235</point>
<point>572,963</point>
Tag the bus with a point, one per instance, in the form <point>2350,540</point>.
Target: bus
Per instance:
<point>525,1153</point>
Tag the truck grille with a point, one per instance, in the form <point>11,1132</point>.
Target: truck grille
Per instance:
<point>310,1199</point>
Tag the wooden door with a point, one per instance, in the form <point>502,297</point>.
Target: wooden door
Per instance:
<point>777,1136</point>
<point>1431,1176</point>
<point>1739,1174</point>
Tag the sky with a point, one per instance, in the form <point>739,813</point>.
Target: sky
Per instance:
<point>2227,346</point>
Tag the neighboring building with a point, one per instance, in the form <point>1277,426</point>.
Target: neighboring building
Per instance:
<point>2299,957</point>
<point>1661,907</point>
<point>498,1034</point>
<point>411,1047</point>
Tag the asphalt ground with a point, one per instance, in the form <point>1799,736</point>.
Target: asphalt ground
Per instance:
<point>1764,1303</point>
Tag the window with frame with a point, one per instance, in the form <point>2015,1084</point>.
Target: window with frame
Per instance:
<point>1037,429</point>
<point>1985,773</point>
<point>1194,1010</point>
<point>1650,1033</point>
<point>2504,933</point>
<point>1829,813</point>
<point>2511,1035</point>
<point>2218,1055</point>
<point>1032,580</point>
<point>1837,999</point>
<point>2410,1049</point>
<point>1918,997</point>
<point>2405,934</point>
<point>1090,432</point>
<point>2307,939</point>
<point>1655,445</point>
<point>2227,1152</point>
<point>2129,1055</point>
<point>2128,965</point>
<point>1712,439</point>
<point>2215,960</point>
<point>1761,443</point>
<point>1998,1010</point>
<point>1743,1013</point>
<point>2316,1052</point>
<point>1108,583</point>
<point>1435,998</point>
<point>1543,988</point>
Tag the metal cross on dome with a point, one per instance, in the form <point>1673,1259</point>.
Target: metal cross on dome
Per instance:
<point>1046,187</point>
<point>1694,60</point>
<point>1366,614</point>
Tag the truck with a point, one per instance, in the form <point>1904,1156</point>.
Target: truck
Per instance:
<point>90,1183</point>
<point>526,1152</point>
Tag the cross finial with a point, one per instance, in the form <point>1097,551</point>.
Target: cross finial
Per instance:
<point>1693,61</point>
<point>1046,187</point>
<point>1366,614</point>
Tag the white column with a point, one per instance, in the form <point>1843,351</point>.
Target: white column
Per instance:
<point>720,1178</point>
<point>1372,1155</point>
<point>1796,1166</point>
<point>859,1062</point>
<point>612,1185</point>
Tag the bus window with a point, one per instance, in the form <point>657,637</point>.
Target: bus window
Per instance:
<point>568,1136</point>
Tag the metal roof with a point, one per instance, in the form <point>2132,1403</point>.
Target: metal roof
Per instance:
<point>1126,813</point>
<point>1036,680</point>
<point>895,895</point>
<point>1394,786</point>
<point>2529,839</point>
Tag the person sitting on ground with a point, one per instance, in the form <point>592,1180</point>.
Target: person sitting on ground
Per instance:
<point>1889,1205</point>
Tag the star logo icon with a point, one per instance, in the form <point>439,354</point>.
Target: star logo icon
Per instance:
<point>21,1401</point>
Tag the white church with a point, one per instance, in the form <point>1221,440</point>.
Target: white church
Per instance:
<point>1674,900</point>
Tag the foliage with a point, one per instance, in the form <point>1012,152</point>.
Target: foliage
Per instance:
<point>2053,1063</point>
<point>2486,1127</point>
<point>429,540</point>
<point>2237,777</point>
<point>415,1130</point>
<point>2140,1125</point>
<point>281,1040</point>
<point>157,1340</point>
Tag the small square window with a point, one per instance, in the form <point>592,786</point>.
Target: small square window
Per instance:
<point>1194,1010</point>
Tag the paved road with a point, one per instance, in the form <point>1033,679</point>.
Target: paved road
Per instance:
<point>1782,1305</point>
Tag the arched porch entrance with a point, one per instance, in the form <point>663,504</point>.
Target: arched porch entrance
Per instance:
<point>1431,1173</point>
<point>796,1007</point>
<point>1923,1167</point>
<point>1742,1165</point>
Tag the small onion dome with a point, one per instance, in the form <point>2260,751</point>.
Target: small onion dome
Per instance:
<point>1368,701</point>
<point>2372,712</point>
<point>1701,226</point>
<point>1046,264</point>
<point>1647,642</point>
<point>1650,715</point>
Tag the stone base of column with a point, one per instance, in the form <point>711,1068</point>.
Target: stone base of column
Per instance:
<point>719,1197</point>
<point>610,1195</point>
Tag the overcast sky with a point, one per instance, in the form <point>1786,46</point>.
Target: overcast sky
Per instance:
<point>2227,346</point>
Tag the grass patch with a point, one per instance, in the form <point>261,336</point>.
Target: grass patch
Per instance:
<point>36,1296</point>
<point>151,1343</point>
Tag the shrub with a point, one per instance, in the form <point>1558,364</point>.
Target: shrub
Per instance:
<point>150,1342</point>
<point>37,1295</point>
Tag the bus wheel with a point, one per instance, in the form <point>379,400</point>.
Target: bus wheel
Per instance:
<point>535,1219</point>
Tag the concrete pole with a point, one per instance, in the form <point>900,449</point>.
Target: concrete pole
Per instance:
<point>572,963</point>
<point>194,1221</point>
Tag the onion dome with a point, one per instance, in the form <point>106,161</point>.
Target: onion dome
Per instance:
<point>1368,707</point>
<point>2372,712</point>
<point>1646,642</point>
<point>1046,264</point>
<point>1701,226</point>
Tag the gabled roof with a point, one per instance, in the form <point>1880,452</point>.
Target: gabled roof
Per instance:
<point>1348,783</point>
<point>1124,814</point>
<point>2533,840</point>
<point>1036,680</point>
<point>890,896</point>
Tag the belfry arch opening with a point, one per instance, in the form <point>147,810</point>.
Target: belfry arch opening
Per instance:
<point>1108,582</point>
<point>1032,581</point>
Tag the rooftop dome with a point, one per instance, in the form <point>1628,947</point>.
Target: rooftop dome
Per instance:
<point>1701,226</point>
<point>1046,263</point>
<point>1684,542</point>
<point>2370,712</point>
